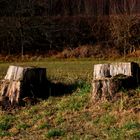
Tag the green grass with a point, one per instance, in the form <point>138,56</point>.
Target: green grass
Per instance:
<point>6,122</point>
<point>54,133</point>
<point>73,116</point>
<point>62,70</point>
<point>43,126</point>
<point>22,126</point>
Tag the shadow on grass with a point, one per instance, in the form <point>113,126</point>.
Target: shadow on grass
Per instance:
<point>60,89</point>
<point>47,88</point>
<point>32,94</point>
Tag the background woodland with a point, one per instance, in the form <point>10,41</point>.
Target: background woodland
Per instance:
<point>76,28</point>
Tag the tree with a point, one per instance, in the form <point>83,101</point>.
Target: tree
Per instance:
<point>121,24</point>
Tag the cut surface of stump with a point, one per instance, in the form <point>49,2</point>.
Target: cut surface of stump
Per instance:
<point>21,82</point>
<point>108,79</point>
<point>102,71</point>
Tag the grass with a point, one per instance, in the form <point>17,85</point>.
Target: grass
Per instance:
<point>54,133</point>
<point>22,126</point>
<point>62,70</point>
<point>72,116</point>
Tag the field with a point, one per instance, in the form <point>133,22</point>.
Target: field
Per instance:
<point>71,114</point>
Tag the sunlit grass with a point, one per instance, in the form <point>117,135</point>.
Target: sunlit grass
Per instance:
<point>72,116</point>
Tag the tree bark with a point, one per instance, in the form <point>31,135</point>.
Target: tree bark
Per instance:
<point>21,82</point>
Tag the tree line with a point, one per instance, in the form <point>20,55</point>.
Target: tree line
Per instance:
<point>28,26</point>
<point>67,7</point>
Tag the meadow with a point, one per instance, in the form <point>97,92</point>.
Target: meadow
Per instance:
<point>73,115</point>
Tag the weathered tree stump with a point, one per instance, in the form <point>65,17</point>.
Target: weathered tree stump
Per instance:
<point>21,82</point>
<point>108,79</point>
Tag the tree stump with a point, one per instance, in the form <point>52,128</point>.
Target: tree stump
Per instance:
<point>21,82</point>
<point>108,79</point>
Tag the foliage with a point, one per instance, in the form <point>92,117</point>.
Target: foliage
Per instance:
<point>67,37</point>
